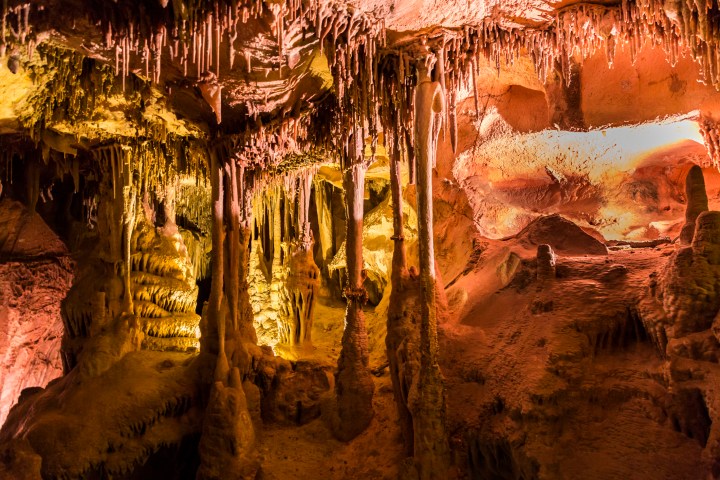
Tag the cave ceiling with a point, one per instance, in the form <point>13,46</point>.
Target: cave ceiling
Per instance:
<point>210,70</point>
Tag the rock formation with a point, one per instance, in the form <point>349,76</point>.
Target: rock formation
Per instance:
<point>353,384</point>
<point>697,203</point>
<point>546,260</point>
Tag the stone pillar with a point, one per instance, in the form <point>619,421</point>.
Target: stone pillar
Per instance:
<point>564,96</point>
<point>431,446</point>
<point>697,202</point>
<point>402,338</point>
<point>354,386</point>
<point>545,262</point>
<point>227,445</point>
<point>212,339</point>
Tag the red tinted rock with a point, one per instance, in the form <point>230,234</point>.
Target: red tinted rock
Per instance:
<point>562,235</point>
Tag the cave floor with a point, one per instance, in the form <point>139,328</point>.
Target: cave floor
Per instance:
<point>310,451</point>
<point>564,372</point>
<point>557,378</point>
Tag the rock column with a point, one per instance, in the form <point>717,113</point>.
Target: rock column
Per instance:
<point>227,446</point>
<point>402,339</point>
<point>697,202</point>
<point>354,386</point>
<point>431,447</point>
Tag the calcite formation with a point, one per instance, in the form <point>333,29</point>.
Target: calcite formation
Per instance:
<point>372,239</point>
<point>546,260</point>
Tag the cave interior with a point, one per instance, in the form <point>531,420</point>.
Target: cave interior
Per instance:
<point>360,239</point>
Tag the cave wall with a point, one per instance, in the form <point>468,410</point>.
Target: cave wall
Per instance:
<point>35,271</point>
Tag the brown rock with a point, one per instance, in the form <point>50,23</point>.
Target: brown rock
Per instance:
<point>562,235</point>
<point>697,202</point>
<point>545,262</point>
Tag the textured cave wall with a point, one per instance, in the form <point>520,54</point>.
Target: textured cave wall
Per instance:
<point>35,274</point>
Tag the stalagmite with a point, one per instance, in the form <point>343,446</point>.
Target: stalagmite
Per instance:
<point>545,262</point>
<point>697,202</point>
<point>354,386</point>
<point>432,454</point>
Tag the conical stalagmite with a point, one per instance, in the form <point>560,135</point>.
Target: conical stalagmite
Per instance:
<point>697,202</point>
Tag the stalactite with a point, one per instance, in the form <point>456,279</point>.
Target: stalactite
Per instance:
<point>129,214</point>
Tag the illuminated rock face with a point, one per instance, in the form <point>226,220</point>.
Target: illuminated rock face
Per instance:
<point>35,270</point>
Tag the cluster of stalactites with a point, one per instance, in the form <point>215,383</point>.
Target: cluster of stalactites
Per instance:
<point>354,63</point>
<point>284,198</point>
<point>679,27</point>
<point>202,35</point>
<point>13,149</point>
<point>16,28</point>
<point>453,57</point>
<point>154,168</point>
<point>287,144</point>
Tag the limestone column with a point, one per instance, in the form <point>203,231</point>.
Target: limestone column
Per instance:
<point>353,382</point>
<point>431,447</point>
<point>245,311</point>
<point>563,94</point>
<point>212,338</point>
<point>227,446</point>
<point>399,258</point>
<point>401,338</point>
<point>129,210</point>
<point>232,280</point>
